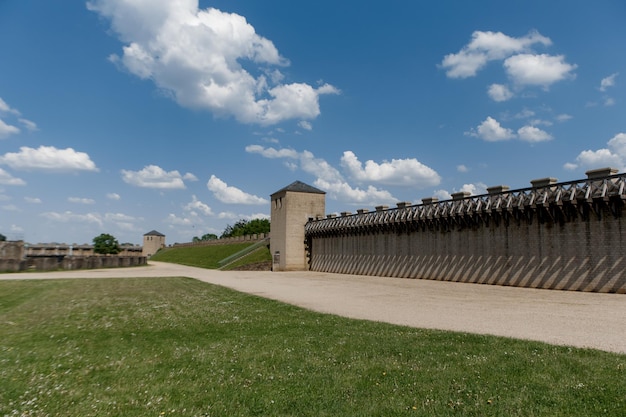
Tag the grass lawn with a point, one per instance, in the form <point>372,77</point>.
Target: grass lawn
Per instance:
<point>180,347</point>
<point>200,256</point>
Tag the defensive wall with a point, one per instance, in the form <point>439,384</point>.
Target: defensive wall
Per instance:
<point>225,241</point>
<point>15,256</point>
<point>566,236</point>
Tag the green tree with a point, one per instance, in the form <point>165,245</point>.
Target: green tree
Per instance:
<point>247,227</point>
<point>106,244</point>
<point>2,237</point>
<point>207,236</point>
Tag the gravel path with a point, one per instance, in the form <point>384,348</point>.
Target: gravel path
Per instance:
<point>559,317</point>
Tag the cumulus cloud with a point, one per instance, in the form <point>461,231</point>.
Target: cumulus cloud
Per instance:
<point>442,195</point>
<point>48,158</point>
<point>175,220</point>
<point>499,92</point>
<point>523,66</point>
<point>153,176</point>
<point>399,172</point>
<point>533,134</point>
<point>198,206</point>
<point>328,178</point>
<point>231,195</point>
<point>208,59</point>
<point>8,179</point>
<point>114,196</point>
<point>474,189</point>
<point>32,200</point>
<point>608,82</point>
<point>305,125</point>
<point>462,168</point>
<point>538,70</point>
<point>491,131</point>
<point>485,47</point>
<point>614,156</point>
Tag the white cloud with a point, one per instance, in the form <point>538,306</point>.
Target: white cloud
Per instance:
<point>70,217</point>
<point>462,168</point>
<point>609,101</point>
<point>79,200</point>
<point>190,177</point>
<point>485,47</point>
<point>491,131</point>
<point>32,200</point>
<point>342,191</point>
<point>113,196</point>
<point>232,195</point>
<point>32,126</point>
<point>120,217</point>
<point>172,219</point>
<point>533,134</point>
<point>608,82</point>
<point>7,130</point>
<point>196,205</point>
<point>328,178</point>
<point>153,176</point>
<point>305,125</point>
<point>474,189</point>
<point>398,172</point>
<point>205,58</point>
<point>442,195</point>
<point>48,158</point>
<point>8,179</point>
<point>614,156</point>
<point>563,117</point>
<point>5,108</point>
<point>499,92</point>
<point>539,70</point>
<point>271,152</point>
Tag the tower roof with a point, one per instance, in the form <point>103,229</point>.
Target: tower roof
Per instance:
<point>300,187</point>
<point>154,233</point>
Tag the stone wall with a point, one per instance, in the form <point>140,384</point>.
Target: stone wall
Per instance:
<point>568,236</point>
<point>225,241</point>
<point>54,263</point>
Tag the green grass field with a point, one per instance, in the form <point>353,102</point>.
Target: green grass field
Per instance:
<point>209,256</point>
<point>180,347</point>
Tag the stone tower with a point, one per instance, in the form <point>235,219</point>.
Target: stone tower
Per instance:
<point>152,242</point>
<point>292,207</point>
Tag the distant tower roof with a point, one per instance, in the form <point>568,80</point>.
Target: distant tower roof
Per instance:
<point>300,187</point>
<point>154,233</point>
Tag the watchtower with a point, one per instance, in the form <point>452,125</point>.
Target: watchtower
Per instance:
<point>292,207</point>
<point>152,242</point>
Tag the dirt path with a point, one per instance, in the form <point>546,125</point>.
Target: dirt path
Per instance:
<point>559,317</point>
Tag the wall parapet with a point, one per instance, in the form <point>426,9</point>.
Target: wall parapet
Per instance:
<point>225,241</point>
<point>555,202</point>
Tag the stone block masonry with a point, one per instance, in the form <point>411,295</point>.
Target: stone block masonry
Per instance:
<point>566,236</point>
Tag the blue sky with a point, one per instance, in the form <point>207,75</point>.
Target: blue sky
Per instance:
<point>124,116</point>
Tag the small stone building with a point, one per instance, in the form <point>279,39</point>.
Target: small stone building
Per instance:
<point>152,242</point>
<point>292,207</point>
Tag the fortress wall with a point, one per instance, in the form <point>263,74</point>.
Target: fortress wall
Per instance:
<point>577,244</point>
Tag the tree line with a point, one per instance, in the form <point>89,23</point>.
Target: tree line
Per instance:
<point>240,228</point>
